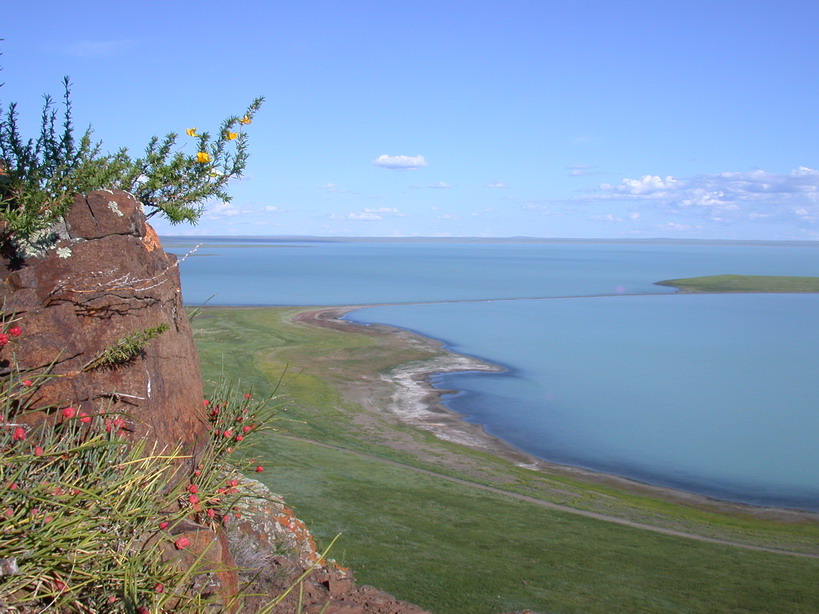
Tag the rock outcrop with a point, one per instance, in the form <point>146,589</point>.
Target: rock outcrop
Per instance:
<point>106,278</point>
<point>106,283</point>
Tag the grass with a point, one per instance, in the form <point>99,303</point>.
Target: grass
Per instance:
<point>454,548</point>
<point>744,283</point>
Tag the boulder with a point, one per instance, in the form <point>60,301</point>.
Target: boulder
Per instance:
<point>105,278</point>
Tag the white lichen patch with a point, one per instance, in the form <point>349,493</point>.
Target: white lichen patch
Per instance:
<point>113,206</point>
<point>64,252</point>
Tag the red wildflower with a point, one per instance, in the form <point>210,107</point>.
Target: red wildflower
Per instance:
<point>239,437</point>
<point>205,402</point>
<point>193,489</point>
<point>19,434</point>
<point>197,473</point>
<point>4,338</point>
<point>182,542</point>
<point>15,331</point>
<point>69,412</point>
<point>193,499</point>
<point>234,482</point>
<point>211,513</point>
<point>259,469</point>
<point>12,485</point>
<point>27,382</point>
<point>247,395</point>
<point>38,451</point>
<point>163,525</point>
<point>246,429</point>
<point>9,512</point>
<point>159,588</point>
<point>228,433</point>
<point>84,417</point>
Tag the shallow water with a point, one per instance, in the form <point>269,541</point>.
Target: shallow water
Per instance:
<point>715,394</point>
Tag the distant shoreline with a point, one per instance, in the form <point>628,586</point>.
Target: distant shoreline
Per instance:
<point>417,403</point>
<point>187,239</point>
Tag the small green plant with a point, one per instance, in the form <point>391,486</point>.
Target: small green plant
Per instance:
<point>126,349</point>
<point>39,177</point>
<point>85,514</point>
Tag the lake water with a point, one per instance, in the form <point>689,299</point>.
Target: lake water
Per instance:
<point>716,394</point>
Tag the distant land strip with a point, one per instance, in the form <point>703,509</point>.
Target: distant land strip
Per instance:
<point>743,283</point>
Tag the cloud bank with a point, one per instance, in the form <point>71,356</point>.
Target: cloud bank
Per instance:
<point>756,194</point>
<point>400,163</point>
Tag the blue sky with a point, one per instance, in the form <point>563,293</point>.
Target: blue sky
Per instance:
<point>575,119</point>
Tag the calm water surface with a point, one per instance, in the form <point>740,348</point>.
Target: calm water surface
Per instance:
<point>716,394</point>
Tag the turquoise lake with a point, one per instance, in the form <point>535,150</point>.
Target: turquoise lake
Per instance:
<point>715,394</point>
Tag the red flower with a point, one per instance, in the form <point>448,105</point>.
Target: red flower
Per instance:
<point>163,525</point>
<point>247,394</point>
<point>12,485</point>
<point>259,469</point>
<point>193,499</point>
<point>84,417</point>
<point>4,338</point>
<point>246,429</point>
<point>26,382</point>
<point>193,489</point>
<point>228,433</point>
<point>38,451</point>
<point>205,402</point>
<point>15,331</point>
<point>69,412</point>
<point>239,437</point>
<point>19,434</point>
<point>159,588</point>
<point>182,542</point>
<point>234,482</point>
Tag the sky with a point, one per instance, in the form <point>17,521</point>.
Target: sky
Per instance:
<point>544,118</point>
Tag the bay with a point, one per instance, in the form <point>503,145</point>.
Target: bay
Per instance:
<point>716,394</point>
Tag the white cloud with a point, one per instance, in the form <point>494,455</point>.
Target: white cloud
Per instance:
<point>367,216</point>
<point>222,210</point>
<point>496,184</point>
<point>440,185</point>
<point>447,216</point>
<point>400,163</point>
<point>271,208</point>
<point>676,227</point>
<point>752,195</point>
<point>331,187</point>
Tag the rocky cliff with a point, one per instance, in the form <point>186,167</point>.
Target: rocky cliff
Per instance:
<point>103,314</point>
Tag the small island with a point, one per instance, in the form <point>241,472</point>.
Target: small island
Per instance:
<point>743,283</point>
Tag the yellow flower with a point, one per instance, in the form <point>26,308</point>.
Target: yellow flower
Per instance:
<point>231,135</point>
<point>191,132</point>
<point>245,120</point>
<point>203,157</point>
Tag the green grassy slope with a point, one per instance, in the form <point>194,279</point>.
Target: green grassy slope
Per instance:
<point>453,548</point>
<point>744,283</point>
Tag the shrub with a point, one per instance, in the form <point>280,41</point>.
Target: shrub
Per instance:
<point>39,177</point>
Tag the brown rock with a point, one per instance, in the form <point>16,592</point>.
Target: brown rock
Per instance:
<point>105,279</point>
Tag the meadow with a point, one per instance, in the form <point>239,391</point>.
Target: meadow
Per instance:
<point>459,530</point>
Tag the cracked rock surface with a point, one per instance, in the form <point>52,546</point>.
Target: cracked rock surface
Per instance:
<point>105,278</point>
